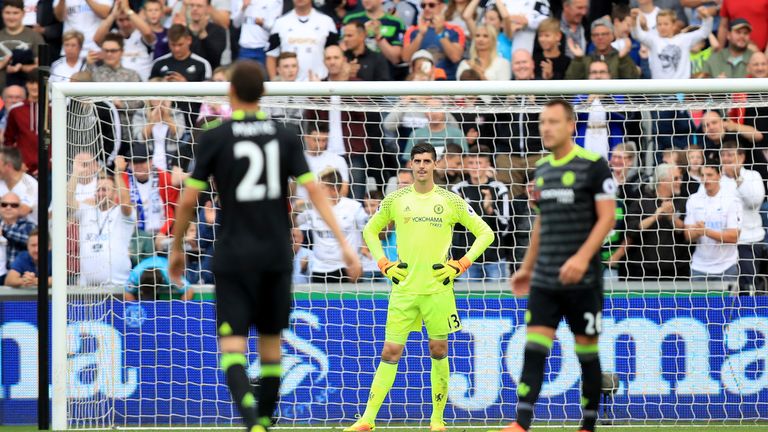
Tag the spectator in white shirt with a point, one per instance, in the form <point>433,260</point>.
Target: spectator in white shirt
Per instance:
<point>670,56</point>
<point>320,159</point>
<point>712,223</point>
<point>14,179</point>
<point>137,34</point>
<point>84,16</point>
<point>287,70</point>
<point>327,263</point>
<point>484,58</point>
<point>525,17</point>
<point>105,229</point>
<point>63,68</point>
<point>750,190</point>
<point>255,19</point>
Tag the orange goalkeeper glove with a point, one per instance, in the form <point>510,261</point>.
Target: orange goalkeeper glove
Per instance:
<point>395,271</point>
<point>450,270</point>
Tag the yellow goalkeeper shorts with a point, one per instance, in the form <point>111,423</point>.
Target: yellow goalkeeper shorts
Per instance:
<point>407,311</point>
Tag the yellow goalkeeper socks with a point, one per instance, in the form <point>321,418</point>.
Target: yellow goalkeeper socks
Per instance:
<point>439,375</point>
<point>382,382</point>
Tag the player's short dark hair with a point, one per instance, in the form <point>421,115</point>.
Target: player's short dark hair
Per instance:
<point>318,126</point>
<point>357,24</point>
<point>12,155</point>
<point>332,178</point>
<point>148,282</point>
<point>424,147</point>
<point>247,81</point>
<point>18,4</point>
<point>733,145</point>
<point>569,111</point>
<point>178,31</point>
<point>116,38</point>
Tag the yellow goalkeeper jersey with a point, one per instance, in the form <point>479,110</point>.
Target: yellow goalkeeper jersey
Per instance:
<point>424,231</point>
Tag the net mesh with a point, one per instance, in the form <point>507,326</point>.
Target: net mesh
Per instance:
<point>673,349</point>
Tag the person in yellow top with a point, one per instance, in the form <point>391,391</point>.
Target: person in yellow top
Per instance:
<point>422,277</point>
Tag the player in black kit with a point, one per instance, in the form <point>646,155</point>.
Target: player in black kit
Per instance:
<point>574,194</point>
<point>250,159</point>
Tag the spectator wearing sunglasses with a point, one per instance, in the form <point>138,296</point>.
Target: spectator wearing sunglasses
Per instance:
<point>443,40</point>
<point>15,229</point>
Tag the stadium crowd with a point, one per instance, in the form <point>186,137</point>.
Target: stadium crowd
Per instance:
<point>673,167</point>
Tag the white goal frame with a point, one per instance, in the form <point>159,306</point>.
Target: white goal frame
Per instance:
<point>62,91</point>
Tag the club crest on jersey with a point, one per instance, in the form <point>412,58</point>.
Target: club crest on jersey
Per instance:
<point>438,209</point>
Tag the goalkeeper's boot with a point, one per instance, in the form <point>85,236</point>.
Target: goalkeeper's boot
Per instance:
<point>362,425</point>
<point>514,427</point>
<point>437,426</point>
<point>258,428</point>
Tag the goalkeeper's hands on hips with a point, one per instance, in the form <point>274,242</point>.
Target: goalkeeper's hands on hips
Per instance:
<point>450,270</point>
<point>395,271</point>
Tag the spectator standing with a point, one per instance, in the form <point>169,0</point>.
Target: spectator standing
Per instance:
<point>572,24</point>
<point>302,257</point>
<point>111,69</point>
<point>88,168</point>
<point>750,191</point>
<point>154,12</point>
<point>306,32</point>
<point>524,19</point>
<point>384,32</point>
<point>353,134</point>
<point>657,248</point>
<point>153,191</point>
<point>327,263</point>
<point>649,12</point>
<point>443,40</point>
<point>72,62</point>
<point>437,132</point>
<point>620,64</point>
<point>320,160</point>
<point>694,156</point>
<point>138,38</point>
<point>550,62</point>
<point>161,128</point>
<point>623,22</point>
<point>474,118</point>
<point>23,271</point>
<point>449,168</point>
<point>713,221</point>
<point>365,64</point>
<point>84,16</point>
<point>21,128</point>
<point>488,198</point>
<point>105,229</point>
<point>731,61</point>
<point>518,143</point>
<point>12,95</point>
<point>484,58</point>
<point>15,228</point>
<point>181,64</point>
<point>209,39</point>
<point>717,130</point>
<point>24,58</point>
<point>756,11</point>
<point>597,129</point>
<point>287,70</point>
<point>255,19</point>
<point>670,54</point>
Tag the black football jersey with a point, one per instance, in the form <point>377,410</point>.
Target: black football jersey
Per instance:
<point>249,159</point>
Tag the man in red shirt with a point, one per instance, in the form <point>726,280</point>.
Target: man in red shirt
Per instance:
<point>21,131</point>
<point>756,11</point>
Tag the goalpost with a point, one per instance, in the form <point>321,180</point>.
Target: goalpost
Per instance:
<point>673,351</point>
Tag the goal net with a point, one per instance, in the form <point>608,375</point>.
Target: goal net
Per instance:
<point>673,349</point>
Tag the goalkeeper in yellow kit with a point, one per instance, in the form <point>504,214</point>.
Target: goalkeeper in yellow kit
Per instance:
<point>424,216</point>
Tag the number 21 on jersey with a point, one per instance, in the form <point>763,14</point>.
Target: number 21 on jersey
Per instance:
<point>260,162</point>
